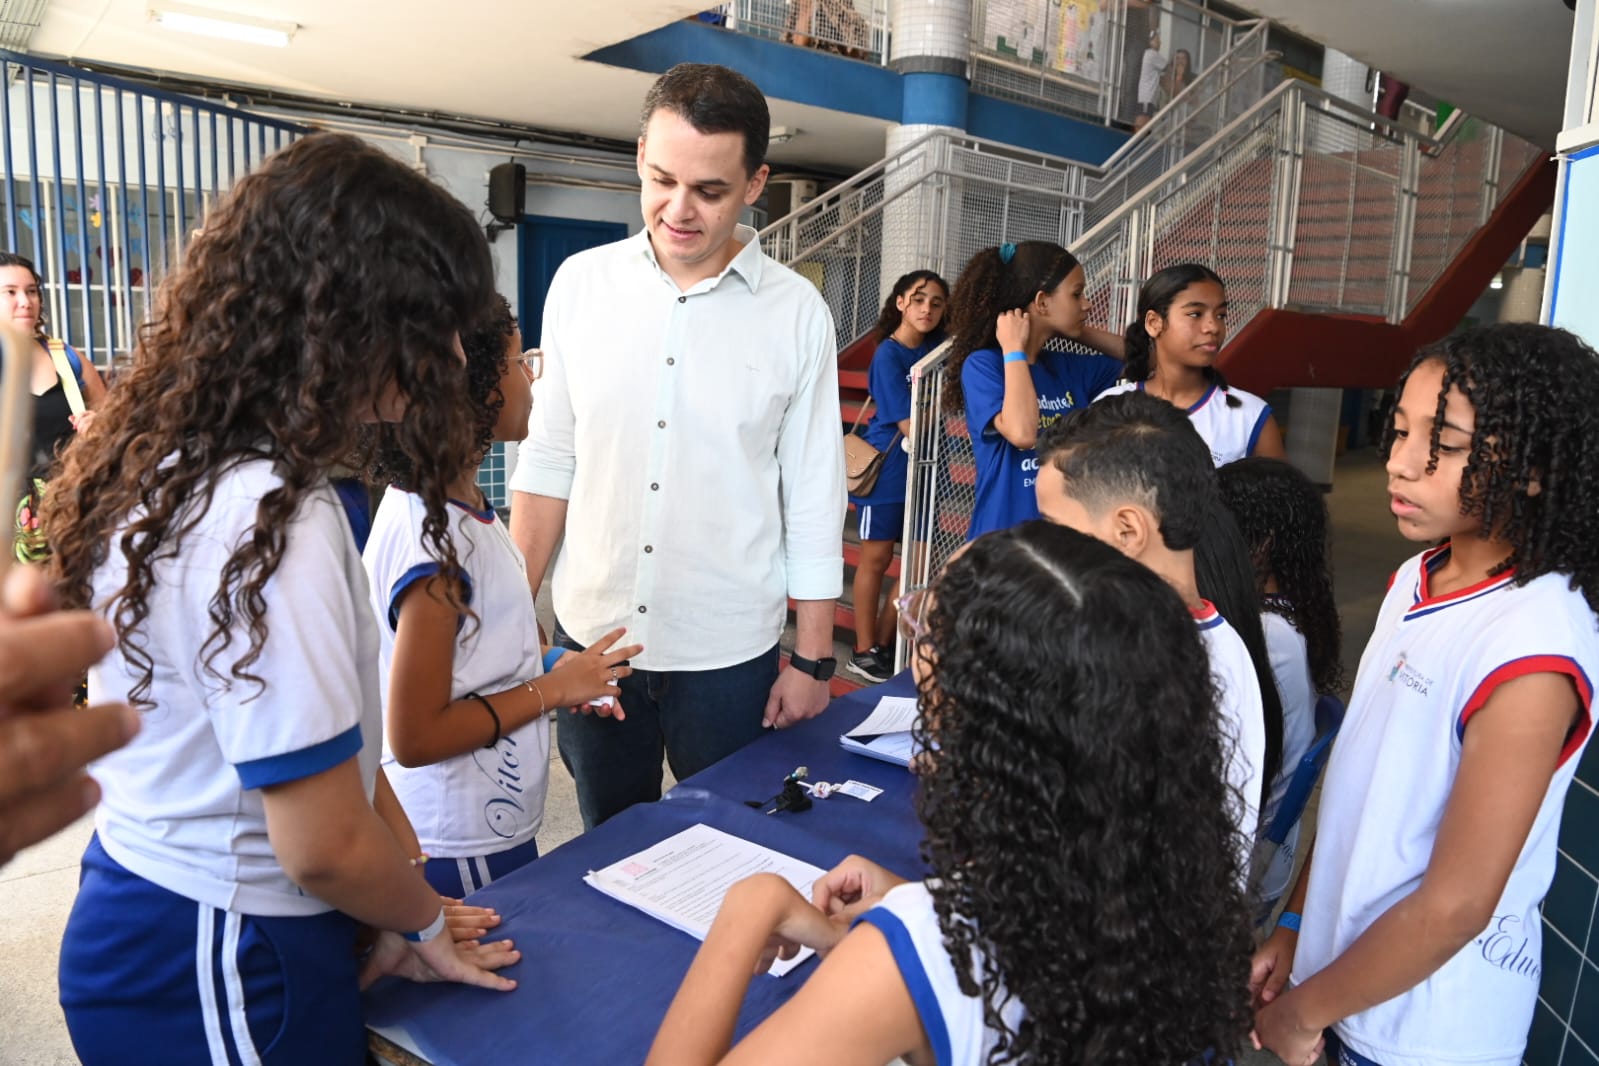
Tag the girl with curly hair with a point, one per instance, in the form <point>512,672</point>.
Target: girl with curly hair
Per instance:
<point>1009,303</point>
<point>238,844</point>
<point>466,729</point>
<point>911,326</point>
<point>1083,900</point>
<point>1440,809</point>
<point>1283,519</point>
<point>1171,350</point>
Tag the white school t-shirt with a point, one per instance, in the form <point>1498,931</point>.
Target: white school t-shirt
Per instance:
<point>1243,721</point>
<point>952,1020</point>
<point>1229,432</point>
<point>487,800</point>
<point>1432,662</point>
<point>181,804</point>
<point>1290,667</point>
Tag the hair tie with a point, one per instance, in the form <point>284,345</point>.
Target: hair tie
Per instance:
<point>1007,252</point>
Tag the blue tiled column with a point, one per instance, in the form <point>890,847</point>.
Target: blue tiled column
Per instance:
<point>931,50</point>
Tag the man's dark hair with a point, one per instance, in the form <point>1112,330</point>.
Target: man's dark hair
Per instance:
<point>1133,447</point>
<point>713,99</point>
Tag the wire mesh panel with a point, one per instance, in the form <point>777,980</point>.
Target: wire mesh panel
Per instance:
<point>1230,87</point>
<point>854,28</point>
<point>1452,192</point>
<point>1347,213</point>
<point>105,182</point>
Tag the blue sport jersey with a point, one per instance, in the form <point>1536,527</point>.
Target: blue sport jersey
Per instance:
<point>890,383</point>
<point>1005,474</point>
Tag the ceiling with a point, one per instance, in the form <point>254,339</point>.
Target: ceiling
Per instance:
<point>1502,60</point>
<point>513,62</point>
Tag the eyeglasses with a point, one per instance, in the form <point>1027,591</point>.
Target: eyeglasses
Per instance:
<point>532,361</point>
<point>912,608</point>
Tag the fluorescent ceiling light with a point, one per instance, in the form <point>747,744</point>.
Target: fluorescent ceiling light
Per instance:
<point>228,26</point>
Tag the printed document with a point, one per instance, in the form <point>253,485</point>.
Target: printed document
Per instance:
<point>682,880</point>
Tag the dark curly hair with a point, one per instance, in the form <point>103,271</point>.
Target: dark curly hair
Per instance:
<point>1225,575</point>
<point>1283,518</point>
<point>330,277</point>
<point>1082,854</point>
<point>1535,392</point>
<point>1157,295</point>
<point>1133,446</point>
<point>41,326</point>
<point>485,348</point>
<point>892,316</point>
<point>986,289</point>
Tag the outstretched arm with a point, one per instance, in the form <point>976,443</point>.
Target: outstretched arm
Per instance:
<point>854,1010</point>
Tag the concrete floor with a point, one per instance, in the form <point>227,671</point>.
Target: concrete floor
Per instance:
<point>37,888</point>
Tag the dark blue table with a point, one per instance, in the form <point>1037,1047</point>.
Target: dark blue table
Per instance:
<point>596,976</point>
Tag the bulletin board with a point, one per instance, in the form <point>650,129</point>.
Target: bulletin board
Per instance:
<point>1574,296</point>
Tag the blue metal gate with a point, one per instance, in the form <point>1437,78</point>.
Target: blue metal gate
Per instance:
<point>104,183</point>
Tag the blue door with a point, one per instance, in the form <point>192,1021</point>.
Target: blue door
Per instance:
<point>542,245</point>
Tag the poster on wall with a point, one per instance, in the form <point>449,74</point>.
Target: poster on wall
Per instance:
<point>1065,35</point>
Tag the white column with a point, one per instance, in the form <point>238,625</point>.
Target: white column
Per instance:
<point>1312,430</point>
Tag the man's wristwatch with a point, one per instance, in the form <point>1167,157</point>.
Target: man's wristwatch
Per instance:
<point>821,669</point>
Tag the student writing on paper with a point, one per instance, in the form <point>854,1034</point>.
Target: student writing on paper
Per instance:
<point>1084,905</point>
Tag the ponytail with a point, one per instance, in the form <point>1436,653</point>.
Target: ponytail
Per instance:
<point>1157,295</point>
<point>992,283</point>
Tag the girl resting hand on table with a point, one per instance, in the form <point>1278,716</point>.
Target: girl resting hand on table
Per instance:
<point>1083,901</point>
<point>467,699</point>
<point>238,845</point>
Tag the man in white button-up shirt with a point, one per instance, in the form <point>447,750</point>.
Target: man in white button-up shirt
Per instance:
<point>686,439</point>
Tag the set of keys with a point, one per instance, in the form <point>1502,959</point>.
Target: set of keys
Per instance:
<point>798,793</point>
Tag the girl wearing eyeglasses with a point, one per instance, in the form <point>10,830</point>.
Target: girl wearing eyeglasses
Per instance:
<point>467,699</point>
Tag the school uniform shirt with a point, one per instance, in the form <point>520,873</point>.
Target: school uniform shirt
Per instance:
<point>952,1020</point>
<point>1005,474</point>
<point>490,799</point>
<point>1230,432</point>
<point>695,437</point>
<point>889,381</point>
<point>1290,668</point>
<point>181,804</point>
<point>1243,721</point>
<point>1433,661</point>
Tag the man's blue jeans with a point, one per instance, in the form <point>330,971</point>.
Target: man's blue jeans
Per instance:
<point>692,717</point>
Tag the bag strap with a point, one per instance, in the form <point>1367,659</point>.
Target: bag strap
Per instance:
<point>861,414</point>
<point>69,379</point>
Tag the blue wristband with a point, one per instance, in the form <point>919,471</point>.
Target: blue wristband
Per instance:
<point>1288,920</point>
<point>1015,357</point>
<point>551,657</point>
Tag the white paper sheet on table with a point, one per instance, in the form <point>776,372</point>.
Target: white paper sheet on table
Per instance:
<point>886,733</point>
<point>682,880</point>
<point>893,714</point>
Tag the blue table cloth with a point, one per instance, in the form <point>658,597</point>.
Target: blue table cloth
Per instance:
<point>596,976</point>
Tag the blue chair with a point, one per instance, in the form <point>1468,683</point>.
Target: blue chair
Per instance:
<point>1269,853</point>
<point>1329,717</point>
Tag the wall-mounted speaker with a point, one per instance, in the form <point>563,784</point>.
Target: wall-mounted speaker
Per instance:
<point>508,192</point>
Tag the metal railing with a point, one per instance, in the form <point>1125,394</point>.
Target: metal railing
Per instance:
<point>938,200</point>
<point>1086,57</point>
<point>104,181</point>
<point>1304,201</point>
<point>854,28</point>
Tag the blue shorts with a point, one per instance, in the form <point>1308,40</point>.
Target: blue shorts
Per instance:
<point>459,878</point>
<point>152,977</point>
<point>1339,1053</point>
<point>881,521</point>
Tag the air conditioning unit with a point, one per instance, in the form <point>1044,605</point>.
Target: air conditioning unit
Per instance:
<point>786,194</point>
